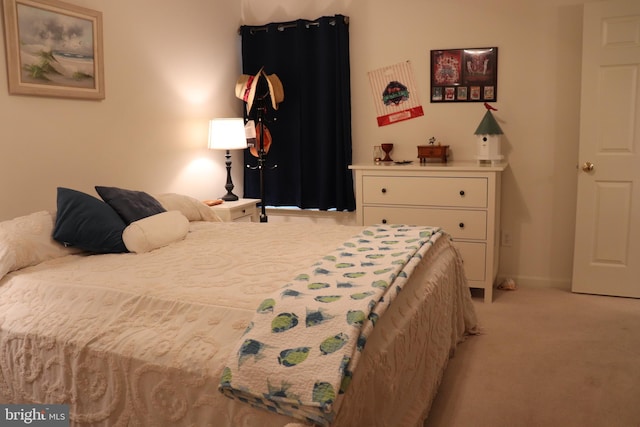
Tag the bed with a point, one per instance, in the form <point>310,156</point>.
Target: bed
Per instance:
<point>144,336</point>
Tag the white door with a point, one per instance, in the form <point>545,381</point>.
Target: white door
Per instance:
<point>607,242</point>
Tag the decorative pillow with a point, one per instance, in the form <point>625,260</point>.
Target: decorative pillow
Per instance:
<point>87,222</point>
<point>26,241</point>
<point>155,231</point>
<point>131,205</point>
<point>190,207</point>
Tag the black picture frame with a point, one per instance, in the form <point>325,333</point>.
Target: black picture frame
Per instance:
<point>464,75</point>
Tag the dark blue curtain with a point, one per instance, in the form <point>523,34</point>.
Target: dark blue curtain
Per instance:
<point>307,164</point>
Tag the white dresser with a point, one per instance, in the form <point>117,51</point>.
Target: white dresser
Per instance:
<point>461,197</point>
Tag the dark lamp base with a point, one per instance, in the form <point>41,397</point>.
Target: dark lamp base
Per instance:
<point>229,197</point>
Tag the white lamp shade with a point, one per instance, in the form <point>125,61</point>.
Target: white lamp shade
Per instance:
<point>227,134</point>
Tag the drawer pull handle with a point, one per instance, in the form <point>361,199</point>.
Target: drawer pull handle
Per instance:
<point>384,190</point>
<point>244,210</point>
<point>462,192</point>
<point>384,221</point>
<point>461,225</point>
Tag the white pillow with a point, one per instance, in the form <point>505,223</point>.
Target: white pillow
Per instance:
<point>192,208</point>
<point>155,231</point>
<point>26,241</point>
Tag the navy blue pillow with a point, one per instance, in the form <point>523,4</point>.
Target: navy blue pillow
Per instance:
<point>131,205</point>
<point>86,222</point>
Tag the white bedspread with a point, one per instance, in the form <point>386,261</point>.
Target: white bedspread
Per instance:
<point>141,339</point>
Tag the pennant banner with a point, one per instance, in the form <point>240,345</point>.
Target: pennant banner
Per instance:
<point>395,94</point>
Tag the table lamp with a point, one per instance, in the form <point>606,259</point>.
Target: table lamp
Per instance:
<point>227,134</point>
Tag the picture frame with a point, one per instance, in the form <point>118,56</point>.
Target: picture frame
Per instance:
<point>54,49</point>
<point>464,75</point>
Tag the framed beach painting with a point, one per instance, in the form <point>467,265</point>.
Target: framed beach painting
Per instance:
<point>53,49</point>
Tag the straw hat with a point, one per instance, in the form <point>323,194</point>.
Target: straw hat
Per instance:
<point>276,91</point>
<point>246,88</point>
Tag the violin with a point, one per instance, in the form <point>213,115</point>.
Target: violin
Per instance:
<point>267,140</point>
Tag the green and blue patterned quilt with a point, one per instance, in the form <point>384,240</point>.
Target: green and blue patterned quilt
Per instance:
<point>298,354</point>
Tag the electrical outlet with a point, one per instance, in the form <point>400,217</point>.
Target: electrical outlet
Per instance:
<point>507,240</point>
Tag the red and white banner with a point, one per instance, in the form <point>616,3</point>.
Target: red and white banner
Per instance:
<point>395,94</point>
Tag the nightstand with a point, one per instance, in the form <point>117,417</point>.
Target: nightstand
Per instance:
<point>242,210</point>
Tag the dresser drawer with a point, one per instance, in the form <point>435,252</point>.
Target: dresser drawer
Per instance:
<point>461,224</point>
<point>241,213</point>
<point>474,257</point>
<point>243,217</point>
<point>425,190</point>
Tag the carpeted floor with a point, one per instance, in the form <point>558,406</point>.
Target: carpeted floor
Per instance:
<point>545,358</point>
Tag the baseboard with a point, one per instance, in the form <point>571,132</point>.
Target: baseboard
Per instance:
<point>537,282</point>
<point>310,216</point>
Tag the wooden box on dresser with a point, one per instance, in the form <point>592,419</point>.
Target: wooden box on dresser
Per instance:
<point>461,197</point>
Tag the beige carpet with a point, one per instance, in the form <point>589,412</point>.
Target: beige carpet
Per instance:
<point>546,358</point>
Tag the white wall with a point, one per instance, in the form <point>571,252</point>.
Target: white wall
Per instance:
<point>538,109</point>
<point>169,69</point>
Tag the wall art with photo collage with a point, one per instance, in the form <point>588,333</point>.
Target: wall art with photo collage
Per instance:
<point>464,75</point>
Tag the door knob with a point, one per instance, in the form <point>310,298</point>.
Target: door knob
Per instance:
<point>587,166</point>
